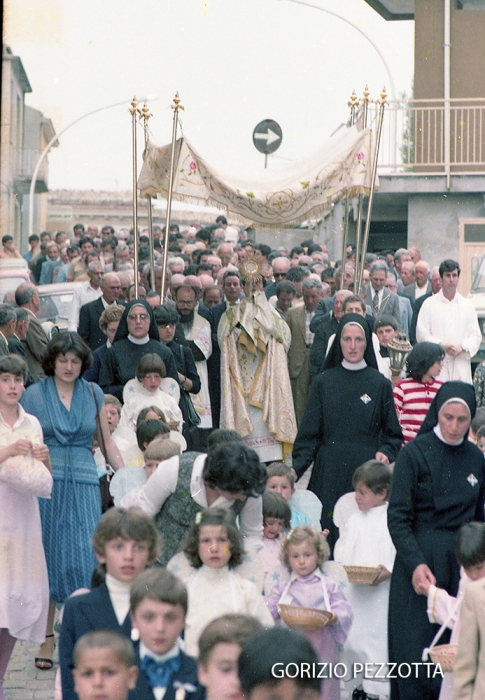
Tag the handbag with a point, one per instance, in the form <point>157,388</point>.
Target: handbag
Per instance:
<point>107,500</point>
<point>191,416</point>
<point>27,475</point>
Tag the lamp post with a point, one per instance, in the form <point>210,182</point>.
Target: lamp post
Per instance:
<point>361,31</point>
<point>49,146</point>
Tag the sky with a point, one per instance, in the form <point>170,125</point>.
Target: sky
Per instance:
<point>233,62</point>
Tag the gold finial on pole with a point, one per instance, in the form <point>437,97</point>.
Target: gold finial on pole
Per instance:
<point>135,112</point>
<point>145,115</point>
<point>175,106</point>
<point>354,100</point>
<point>382,102</point>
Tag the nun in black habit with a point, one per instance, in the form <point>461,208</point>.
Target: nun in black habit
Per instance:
<point>437,486</point>
<point>349,418</point>
<point>137,335</point>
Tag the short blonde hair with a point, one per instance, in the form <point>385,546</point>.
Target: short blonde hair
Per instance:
<point>301,534</point>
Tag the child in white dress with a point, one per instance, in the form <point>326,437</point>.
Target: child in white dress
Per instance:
<point>366,541</point>
<point>214,546</point>
<point>304,553</point>
<point>443,608</point>
<point>276,522</point>
<point>147,390</point>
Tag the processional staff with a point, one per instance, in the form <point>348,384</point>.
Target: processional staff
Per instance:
<point>145,116</point>
<point>353,104</point>
<point>175,106</point>
<point>135,112</point>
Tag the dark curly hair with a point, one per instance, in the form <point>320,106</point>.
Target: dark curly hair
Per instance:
<point>422,357</point>
<point>215,516</point>
<point>60,345</point>
<point>234,467</point>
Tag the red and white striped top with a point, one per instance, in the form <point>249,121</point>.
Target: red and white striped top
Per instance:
<point>412,400</point>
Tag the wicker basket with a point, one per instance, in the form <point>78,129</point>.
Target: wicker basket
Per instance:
<point>444,655</point>
<point>307,619</point>
<point>362,574</point>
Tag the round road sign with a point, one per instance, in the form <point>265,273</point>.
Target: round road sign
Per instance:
<point>267,136</point>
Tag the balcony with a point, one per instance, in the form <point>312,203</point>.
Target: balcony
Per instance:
<point>27,160</point>
<point>427,137</point>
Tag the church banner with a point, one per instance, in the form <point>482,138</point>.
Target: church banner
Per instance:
<point>289,195</point>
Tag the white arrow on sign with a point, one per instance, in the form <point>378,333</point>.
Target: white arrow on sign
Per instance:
<point>269,137</point>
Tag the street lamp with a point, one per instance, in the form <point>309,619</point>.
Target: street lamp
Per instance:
<point>392,90</point>
<point>46,150</point>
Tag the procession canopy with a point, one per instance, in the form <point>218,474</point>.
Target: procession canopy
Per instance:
<point>289,195</point>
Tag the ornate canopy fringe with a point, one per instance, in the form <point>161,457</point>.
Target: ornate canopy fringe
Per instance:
<point>342,167</point>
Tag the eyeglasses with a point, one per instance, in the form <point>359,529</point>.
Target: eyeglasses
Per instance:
<point>279,274</point>
<point>141,317</point>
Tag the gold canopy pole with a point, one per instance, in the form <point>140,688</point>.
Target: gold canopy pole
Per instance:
<point>353,103</point>
<point>365,101</point>
<point>145,115</point>
<point>175,106</point>
<point>134,111</point>
<point>381,102</point>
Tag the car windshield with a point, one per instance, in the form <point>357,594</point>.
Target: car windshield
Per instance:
<point>9,284</point>
<point>55,307</point>
<point>478,284</point>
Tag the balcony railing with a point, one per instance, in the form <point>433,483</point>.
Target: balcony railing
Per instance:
<point>430,137</point>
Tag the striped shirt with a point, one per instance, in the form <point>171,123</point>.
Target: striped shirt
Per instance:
<point>412,399</point>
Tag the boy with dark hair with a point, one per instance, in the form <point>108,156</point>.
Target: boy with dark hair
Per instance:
<point>158,610</point>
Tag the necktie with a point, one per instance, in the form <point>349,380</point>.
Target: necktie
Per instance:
<point>375,304</point>
<point>159,673</point>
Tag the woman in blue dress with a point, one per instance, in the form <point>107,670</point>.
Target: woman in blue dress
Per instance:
<point>66,407</point>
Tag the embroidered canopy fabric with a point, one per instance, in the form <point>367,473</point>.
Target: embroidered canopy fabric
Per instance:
<point>342,167</point>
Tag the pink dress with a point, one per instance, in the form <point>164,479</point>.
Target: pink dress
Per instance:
<point>308,592</point>
<point>24,588</point>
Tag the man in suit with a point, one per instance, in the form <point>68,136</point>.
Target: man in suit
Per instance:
<point>35,343</point>
<point>90,313</point>
<point>421,284</point>
<point>380,299</point>
<point>8,320</point>
<point>15,345</point>
<point>405,305</point>
<point>298,319</point>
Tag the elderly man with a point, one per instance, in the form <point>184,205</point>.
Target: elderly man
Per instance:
<point>85,292</point>
<point>408,273</point>
<point>196,332</point>
<point>421,284</point>
<point>401,255</point>
<point>225,253</point>
<point>449,319</point>
<point>405,308</point>
<point>53,261</point>
<point>380,299</point>
<point>90,313</point>
<point>298,319</point>
<point>35,343</point>
<point>8,322</point>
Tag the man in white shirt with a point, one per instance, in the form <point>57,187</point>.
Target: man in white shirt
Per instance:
<point>86,292</point>
<point>450,320</point>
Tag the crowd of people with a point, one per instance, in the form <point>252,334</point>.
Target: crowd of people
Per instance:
<point>187,415</point>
